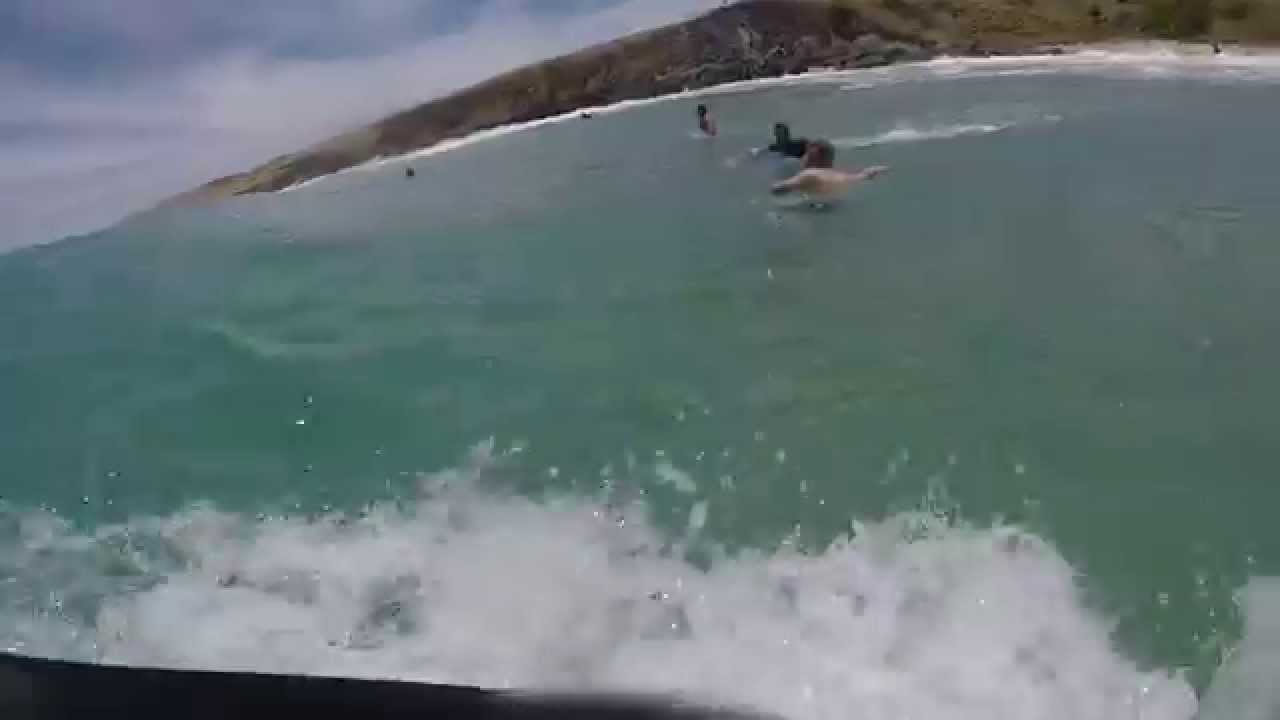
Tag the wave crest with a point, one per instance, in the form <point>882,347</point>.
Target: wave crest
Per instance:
<point>907,617</point>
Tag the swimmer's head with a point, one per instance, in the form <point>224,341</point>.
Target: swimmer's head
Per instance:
<point>702,111</point>
<point>781,132</point>
<point>819,154</point>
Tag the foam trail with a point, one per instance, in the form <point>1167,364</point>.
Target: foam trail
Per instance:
<point>908,134</point>
<point>1246,688</point>
<point>300,185</point>
<point>910,617</point>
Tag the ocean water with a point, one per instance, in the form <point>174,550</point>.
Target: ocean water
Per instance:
<point>582,406</point>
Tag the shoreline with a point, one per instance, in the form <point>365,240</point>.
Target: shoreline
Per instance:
<point>751,44</point>
<point>1101,55</point>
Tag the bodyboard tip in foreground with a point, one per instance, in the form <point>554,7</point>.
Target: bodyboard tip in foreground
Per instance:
<point>38,689</point>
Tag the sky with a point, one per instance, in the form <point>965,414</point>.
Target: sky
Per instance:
<point>109,106</point>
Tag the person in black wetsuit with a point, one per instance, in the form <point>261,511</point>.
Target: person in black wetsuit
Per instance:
<point>785,145</point>
<point>705,122</point>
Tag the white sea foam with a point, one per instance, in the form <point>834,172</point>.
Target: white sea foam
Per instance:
<point>304,183</point>
<point>1246,689</point>
<point>910,617</point>
<point>909,134</point>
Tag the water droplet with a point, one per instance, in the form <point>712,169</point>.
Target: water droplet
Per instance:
<point>84,500</point>
<point>553,471</point>
<point>698,516</point>
<point>1163,599</point>
<point>780,456</point>
<point>760,436</point>
<point>308,401</point>
<point>300,421</point>
<point>680,416</point>
<point>1020,469</point>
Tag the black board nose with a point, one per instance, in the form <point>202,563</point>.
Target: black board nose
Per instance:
<point>39,689</point>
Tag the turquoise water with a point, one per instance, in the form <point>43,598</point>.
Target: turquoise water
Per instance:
<point>1055,313</point>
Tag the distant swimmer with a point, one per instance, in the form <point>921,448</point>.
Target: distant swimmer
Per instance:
<point>785,145</point>
<point>818,178</point>
<point>706,123</point>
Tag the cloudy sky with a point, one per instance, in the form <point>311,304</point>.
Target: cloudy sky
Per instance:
<point>108,106</point>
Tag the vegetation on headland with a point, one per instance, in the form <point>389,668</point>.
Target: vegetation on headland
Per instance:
<point>761,38</point>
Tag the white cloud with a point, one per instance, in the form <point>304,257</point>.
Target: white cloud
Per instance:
<point>114,149</point>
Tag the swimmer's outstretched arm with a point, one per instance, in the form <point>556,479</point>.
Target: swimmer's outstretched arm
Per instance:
<point>798,182</point>
<point>868,173</point>
<point>820,180</point>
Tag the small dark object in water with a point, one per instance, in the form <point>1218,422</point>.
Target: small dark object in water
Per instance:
<point>408,172</point>
<point>587,116</point>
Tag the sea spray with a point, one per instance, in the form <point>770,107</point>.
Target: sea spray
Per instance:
<point>910,616</point>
